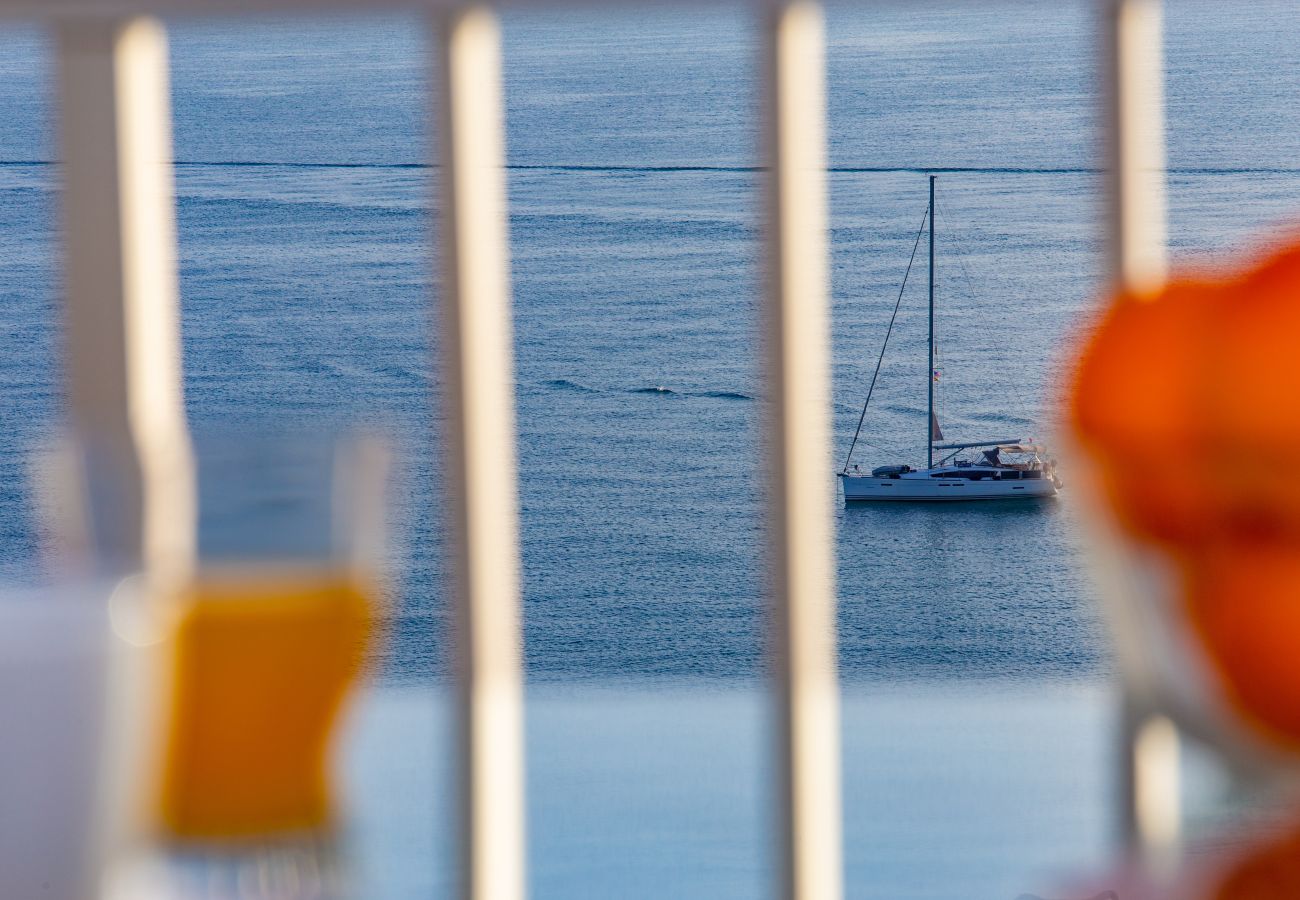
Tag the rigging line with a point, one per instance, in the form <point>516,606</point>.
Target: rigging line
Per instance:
<point>960,255</point>
<point>888,331</point>
<point>892,451</point>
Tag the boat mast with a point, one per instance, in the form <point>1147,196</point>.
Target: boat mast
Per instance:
<point>929,375</point>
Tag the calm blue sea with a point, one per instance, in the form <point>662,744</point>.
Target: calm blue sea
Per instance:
<point>307,277</point>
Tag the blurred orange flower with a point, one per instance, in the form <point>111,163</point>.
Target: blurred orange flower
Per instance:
<point>1269,872</point>
<point>1186,401</point>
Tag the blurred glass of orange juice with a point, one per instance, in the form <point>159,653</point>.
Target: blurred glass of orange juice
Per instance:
<point>271,633</point>
<point>263,658</point>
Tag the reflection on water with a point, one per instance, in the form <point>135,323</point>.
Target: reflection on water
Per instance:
<point>991,589</point>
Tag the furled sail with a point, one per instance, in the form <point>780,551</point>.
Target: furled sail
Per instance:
<point>936,433</point>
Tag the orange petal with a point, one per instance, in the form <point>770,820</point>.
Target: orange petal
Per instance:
<point>1243,600</point>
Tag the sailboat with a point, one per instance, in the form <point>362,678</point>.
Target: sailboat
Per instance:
<point>1006,469</point>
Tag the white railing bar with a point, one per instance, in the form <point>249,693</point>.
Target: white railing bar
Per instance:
<point>1153,816</point>
<point>121,319</point>
<point>478,397</point>
<point>1135,144</point>
<point>1135,229</point>
<point>796,330</point>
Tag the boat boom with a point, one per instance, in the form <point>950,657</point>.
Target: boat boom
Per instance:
<point>1007,443</point>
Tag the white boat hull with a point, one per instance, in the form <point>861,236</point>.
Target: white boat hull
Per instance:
<point>922,487</point>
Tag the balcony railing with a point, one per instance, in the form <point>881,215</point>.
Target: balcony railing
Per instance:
<point>124,374</point>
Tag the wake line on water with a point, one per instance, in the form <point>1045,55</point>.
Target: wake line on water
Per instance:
<point>715,395</point>
<point>568,384</point>
<point>919,170</point>
<point>615,168</point>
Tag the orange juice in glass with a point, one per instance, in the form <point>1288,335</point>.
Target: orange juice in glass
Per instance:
<point>270,635</point>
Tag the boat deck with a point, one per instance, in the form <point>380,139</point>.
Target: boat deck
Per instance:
<point>951,483</point>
